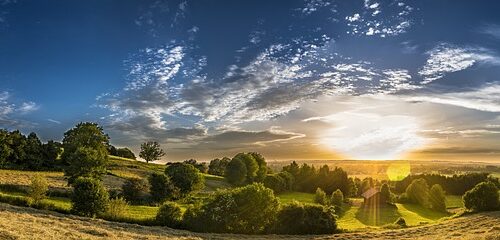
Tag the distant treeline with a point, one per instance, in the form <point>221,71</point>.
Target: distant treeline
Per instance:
<point>18,151</point>
<point>456,184</point>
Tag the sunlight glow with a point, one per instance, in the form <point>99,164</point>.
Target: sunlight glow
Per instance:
<point>373,136</point>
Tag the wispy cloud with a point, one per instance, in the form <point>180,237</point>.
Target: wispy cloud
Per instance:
<point>53,121</point>
<point>10,110</point>
<point>27,107</point>
<point>491,29</point>
<point>447,58</point>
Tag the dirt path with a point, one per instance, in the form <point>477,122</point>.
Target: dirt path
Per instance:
<point>27,223</point>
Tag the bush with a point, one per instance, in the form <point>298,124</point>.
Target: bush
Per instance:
<point>135,190</point>
<point>89,197</point>
<point>275,182</point>
<point>162,188</point>
<point>297,218</point>
<point>218,166</point>
<point>401,222</point>
<point>125,153</point>
<point>483,197</point>
<point>250,209</point>
<point>38,188</point>
<point>117,209</point>
<point>169,214</point>
<point>185,177</point>
<point>437,198</point>
<point>337,198</point>
<point>320,197</point>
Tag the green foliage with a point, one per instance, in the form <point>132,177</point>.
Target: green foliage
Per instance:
<point>236,172</point>
<point>385,193</point>
<point>85,162</point>
<point>418,192</point>
<point>218,166</point>
<point>38,188</point>
<point>455,185</point>
<point>162,188</point>
<point>251,165</point>
<point>135,190</point>
<point>202,167</point>
<point>169,214</point>
<point>89,197</point>
<point>125,153</point>
<point>262,166</point>
<point>117,209</point>
<point>287,179</point>
<point>5,150</point>
<point>275,182</point>
<point>483,197</point>
<point>250,209</point>
<point>185,177</point>
<point>320,197</point>
<point>297,218</point>
<point>151,151</point>
<point>437,198</point>
<point>337,198</point>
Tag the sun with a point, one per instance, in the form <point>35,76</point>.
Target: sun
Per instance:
<point>368,136</point>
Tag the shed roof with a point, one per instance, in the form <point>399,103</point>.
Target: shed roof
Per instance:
<point>370,193</point>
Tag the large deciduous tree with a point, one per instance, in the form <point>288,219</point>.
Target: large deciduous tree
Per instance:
<point>151,151</point>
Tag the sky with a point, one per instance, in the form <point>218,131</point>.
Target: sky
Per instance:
<point>305,79</point>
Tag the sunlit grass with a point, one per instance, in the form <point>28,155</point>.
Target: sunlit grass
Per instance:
<point>454,201</point>
<point>289,197</point>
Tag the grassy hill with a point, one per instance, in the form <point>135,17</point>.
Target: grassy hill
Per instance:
<point>28,223</point>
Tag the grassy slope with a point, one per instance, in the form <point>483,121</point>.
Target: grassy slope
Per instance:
<point>50,225</point>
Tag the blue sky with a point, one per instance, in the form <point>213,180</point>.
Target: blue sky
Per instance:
<point>308,79</point>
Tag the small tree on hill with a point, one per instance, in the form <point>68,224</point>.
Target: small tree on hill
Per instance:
<point>169,214</point>
<point>418,192</point>
<point>151,151</point>
<point>385,193</point>
<point>162,188</point>
<point>483,197</point>
<point>337,198</point>
<point>89,197</point>
<point>437,198</point>
<point>320,197</point>
<point>38,188</point>
<point>236,172</point>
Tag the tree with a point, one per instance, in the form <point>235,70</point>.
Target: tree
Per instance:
<point>202,167</point>
<point>320,197</point>
<point>218,166</point>
<point>275,182</point>
<point>262,166</point>
<point>162,188</point>
<point>297,218</point>
<point>34,154</point>
<point>17,146</point>
<point>135,190</point>
<point>169,214</point>
<point>418,192</point>
<point>250,209</point>
<point>38,188</point>
<point>287,179</point>
<point>85,151</point>
<point>5,150</point>
<point>385,193</point>
<point>337,198</point>
<point>437,198</point>
<point>251,165</point>
<point>86,162</point>
<point>151,151</point>
<point>125,153</point>
<point>89,197</point>
<point>185,177</point>
<point>236,172</point>
<point>483,197</point>
<point>51,151</point>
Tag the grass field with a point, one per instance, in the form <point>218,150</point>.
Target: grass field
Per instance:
<point>289,197</point>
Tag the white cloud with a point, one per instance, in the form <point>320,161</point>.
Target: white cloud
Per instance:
<point>314,5</point>
<point>446,58</point>
<point>53,121</point>
<point>27,107</point>
<point>486,98</point>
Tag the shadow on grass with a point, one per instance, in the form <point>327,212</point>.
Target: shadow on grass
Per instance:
<point>425,212</point>
<point>378,215</point>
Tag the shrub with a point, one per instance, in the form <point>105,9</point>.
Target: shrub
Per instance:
<point>320,197</point>
<point>117,209</point>
<point>169,214</point>
<point>248,209</point>
<point>125,153</point>
<point>437,198</point>
<point>185,177</point>
<point>38,188</point>
<point>275,182</point>
<point>89,197</point>
<point>135,190</point>
<point>401,222</point>
<point>337,198</point>
<point>385,193</point>
<point>162,188</point>
<point>483,197</point>
<point>218,166</point>
<point>297,218</point>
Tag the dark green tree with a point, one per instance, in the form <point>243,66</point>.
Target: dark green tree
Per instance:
<point>185,177</point>
<point>236,172</point>
<point>483,197</point>
<point>89,197</point>
<point>437,198</point>
<point>135,190</point>
<point>297,218</point>
<point>162,188</point>
<point>169,214</point>
<point>218,166</point>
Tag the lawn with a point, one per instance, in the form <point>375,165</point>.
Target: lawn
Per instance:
<point>288,197</point>
<point>454,201</point>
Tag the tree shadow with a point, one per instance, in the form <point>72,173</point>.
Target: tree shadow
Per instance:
<point>377,215</point>
<point>425,212</point>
